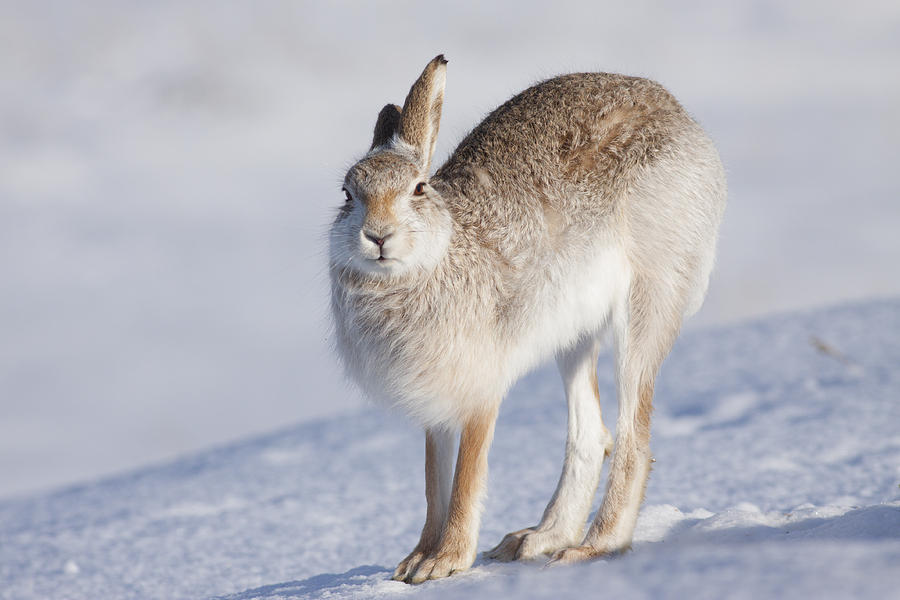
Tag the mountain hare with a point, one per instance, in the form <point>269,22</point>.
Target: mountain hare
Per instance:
<point>587,201</point>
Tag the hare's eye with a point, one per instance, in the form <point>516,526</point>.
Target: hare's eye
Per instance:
<point>347,196</point>
<point>420,188</point>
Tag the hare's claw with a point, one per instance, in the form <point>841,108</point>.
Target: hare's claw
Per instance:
<point>408,565</point>
<point>439,566</point>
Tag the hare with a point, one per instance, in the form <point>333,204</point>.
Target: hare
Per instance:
<point>587,202</point>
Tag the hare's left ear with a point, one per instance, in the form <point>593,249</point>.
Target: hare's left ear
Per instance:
<point>386,125</point>
<point>421,115</point>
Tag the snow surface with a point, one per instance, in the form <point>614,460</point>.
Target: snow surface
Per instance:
<point>778,475</point>
<point>168,170</point>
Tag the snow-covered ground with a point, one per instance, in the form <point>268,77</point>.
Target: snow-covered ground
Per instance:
<point>777,476</point>
<point>168,170</point>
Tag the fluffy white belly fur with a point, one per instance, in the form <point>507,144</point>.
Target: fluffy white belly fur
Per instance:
<point>477,370</point>
<point>576,303</point>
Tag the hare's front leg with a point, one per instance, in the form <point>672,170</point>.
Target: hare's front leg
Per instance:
<point>459,539</point>
<point>439,445</point>
<point>587,444</point>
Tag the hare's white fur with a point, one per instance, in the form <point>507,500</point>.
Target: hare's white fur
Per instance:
<point>587,202</point>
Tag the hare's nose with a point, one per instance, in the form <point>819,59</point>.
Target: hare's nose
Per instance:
<point>378,241</point>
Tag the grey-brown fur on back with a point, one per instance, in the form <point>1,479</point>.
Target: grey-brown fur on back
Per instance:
<point>570,137</point>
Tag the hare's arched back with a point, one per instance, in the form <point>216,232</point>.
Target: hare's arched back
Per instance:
<point>587,202</point>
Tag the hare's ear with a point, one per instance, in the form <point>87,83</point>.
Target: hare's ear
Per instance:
<point>386,125</point>
<point>421,114</point>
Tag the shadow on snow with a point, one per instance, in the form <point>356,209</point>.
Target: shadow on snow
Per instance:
<point>879,522</point>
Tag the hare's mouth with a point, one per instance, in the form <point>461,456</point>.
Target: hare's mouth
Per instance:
<point>382,262</point>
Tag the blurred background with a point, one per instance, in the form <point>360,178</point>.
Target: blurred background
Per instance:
<point>168,171</point>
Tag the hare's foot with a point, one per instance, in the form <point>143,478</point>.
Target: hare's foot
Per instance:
<point>443,564</point>
<point>528,544</point>
<point>509,546</point>
<point>576,554</point>
<point>408,565</point>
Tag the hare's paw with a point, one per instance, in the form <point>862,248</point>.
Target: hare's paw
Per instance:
<point>444,564</point>
<point>508,547</point>
<point>575,554</point>
<point>408,565</point>
<point>528,544</point>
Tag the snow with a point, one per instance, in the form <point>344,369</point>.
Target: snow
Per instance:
<point>168,170</point>
<point>777,475</point>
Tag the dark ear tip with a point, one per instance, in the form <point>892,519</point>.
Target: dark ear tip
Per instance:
<point>386,125</point>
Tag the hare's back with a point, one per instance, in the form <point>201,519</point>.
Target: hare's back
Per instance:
<point>559,169</point>
<point>590,130</point>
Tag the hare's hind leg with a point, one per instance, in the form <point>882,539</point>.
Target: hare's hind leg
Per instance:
<point>439,445</point>
<point>587,444</point>
<point>644,332</point>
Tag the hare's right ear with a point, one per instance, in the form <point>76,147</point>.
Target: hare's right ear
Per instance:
<point>386,126</point>
<point>421,113</point>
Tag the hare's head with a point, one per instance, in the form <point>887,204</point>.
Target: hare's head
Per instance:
<point>393,222</point>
